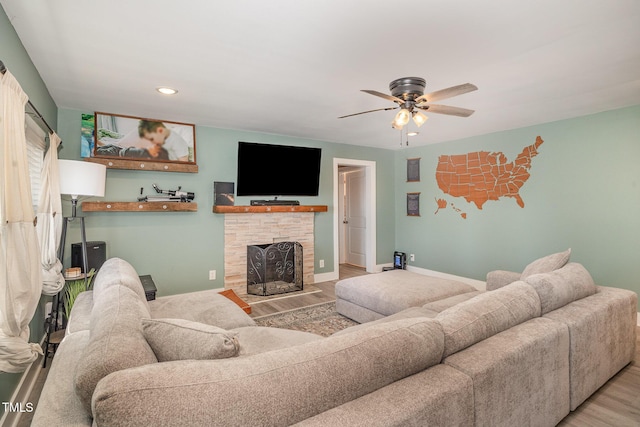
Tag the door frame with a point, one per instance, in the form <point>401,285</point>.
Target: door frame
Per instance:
<point>370,212</point>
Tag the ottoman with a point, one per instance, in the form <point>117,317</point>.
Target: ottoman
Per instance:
<point>374,296</point>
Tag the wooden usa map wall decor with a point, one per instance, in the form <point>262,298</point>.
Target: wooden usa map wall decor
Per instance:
<point>481,176</point>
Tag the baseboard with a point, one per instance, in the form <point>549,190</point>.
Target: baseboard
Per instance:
<point>478,284</point>
<point>326,277</point>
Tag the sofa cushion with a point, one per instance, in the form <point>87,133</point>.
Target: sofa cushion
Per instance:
<point>408,313</point>
<point>438,396</point>
<point>560,287</point>
<point>546,264</point>
<point>258,339</point>
<point>279,387</point>
<point>116,341</point>
<point>498,278</point>
<point>116,271</point>
<point>487,314</point>
<point>204,306</point>
<point>179,339</point>
<point>445,303</point>
<point>80,313</point>
<point>602,328</point>
<point>393,291</point>
<point>520,376</point>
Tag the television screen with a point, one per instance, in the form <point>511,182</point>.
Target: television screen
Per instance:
<point>277,170</point>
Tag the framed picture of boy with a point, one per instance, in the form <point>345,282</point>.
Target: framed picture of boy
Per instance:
<point>126,137</point>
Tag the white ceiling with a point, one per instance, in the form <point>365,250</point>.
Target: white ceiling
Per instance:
<point>291,67</point>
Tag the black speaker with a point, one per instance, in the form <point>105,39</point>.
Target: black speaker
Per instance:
<point>399,260</point>
<point>96,255</point>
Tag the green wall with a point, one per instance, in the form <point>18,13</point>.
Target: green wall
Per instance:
<point>17,61</point>
<point>583,194</point>
<point>179,249</point>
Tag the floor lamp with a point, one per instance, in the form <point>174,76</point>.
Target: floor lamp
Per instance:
<point>77,179</point>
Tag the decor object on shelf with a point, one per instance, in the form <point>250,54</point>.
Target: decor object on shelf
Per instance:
<point>408,93</point>
<point>72,273</point>
<point>223,193</point>
<point>141,138</point>
<point>169,195</point>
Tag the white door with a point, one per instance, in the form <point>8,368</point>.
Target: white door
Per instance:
<point>342,228</point>
<point>355,219</point>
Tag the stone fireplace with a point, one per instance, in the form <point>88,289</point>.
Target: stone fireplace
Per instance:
<point>246,229</point>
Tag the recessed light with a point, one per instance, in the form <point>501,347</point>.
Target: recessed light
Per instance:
<point>166,90</point>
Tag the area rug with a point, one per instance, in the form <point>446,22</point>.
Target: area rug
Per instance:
<point>321,319</point>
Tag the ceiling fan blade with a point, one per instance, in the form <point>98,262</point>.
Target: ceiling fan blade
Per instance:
<point>446,93</point>
<point>445,109</point>
<point>383,95</point>
<point>370,111</point>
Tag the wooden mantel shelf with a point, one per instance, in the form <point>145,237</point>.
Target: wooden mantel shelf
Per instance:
<point>139,207</point>
<point>269,209</point>
<point>143,164</point>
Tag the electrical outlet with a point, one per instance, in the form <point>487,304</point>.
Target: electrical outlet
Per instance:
<point>212,275</point>
<point>412,257</point>
<point>321,263</point>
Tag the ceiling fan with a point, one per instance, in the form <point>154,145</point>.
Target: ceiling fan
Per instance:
<point>408,93</point>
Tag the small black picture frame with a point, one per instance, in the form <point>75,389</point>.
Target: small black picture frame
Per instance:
<point>413,170</point>
<point>223,193</point>
<point>413,204</point>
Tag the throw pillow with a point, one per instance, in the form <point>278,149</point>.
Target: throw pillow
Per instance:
<point>546,264</point>
<point>562,286</point>
<point>179,339</point>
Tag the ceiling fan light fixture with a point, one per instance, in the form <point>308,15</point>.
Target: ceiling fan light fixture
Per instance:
<point>419,118</point>
<point>396,125</point>
<point>402,118</point>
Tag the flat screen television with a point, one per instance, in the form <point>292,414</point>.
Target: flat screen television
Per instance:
<point>277,170</point>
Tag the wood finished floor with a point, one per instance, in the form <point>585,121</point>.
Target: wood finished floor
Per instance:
<point>617,403</point>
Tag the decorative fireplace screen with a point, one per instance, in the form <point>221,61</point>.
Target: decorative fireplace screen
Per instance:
<point>274,268</point>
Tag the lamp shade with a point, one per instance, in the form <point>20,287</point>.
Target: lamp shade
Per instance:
<point>402,118</point>
<point>79,178</point>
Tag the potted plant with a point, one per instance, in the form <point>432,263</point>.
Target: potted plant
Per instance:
<point>73,288</point>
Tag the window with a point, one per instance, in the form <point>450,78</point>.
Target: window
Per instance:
<point>36,148</point>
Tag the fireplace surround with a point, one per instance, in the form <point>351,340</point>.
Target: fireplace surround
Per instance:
<point>249,228</point>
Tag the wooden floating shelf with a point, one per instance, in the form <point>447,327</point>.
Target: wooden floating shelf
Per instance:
<point>269,209</point>
<point>144,165</point>
<point>139,207</point>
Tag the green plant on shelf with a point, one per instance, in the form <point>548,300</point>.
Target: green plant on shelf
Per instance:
<point>73,288</point>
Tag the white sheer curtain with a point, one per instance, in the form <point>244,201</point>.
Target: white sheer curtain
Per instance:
<point>49,226</point>
<point>20,271</point>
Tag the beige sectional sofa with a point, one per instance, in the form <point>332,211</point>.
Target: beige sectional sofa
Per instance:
<point>525,353</point>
